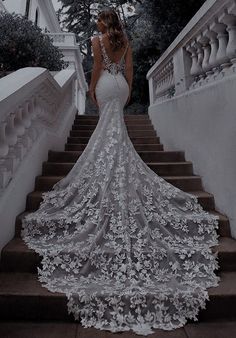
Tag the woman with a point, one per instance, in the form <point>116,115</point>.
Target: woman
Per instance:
<point>111,51</point>
<point>129,250</point>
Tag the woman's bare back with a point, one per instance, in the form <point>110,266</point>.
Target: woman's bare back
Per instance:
<point>113,56</point>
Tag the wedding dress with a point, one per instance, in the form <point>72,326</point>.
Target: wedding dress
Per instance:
<point>129,250</point>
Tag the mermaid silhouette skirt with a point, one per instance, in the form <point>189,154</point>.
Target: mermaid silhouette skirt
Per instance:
<point>129,250</point>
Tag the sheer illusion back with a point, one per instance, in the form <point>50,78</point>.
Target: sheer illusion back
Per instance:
<point>129,250</point>
<point>112,66</point>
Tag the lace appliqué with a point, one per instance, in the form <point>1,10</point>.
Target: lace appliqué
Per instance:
<point>113,67</point>
<point>129,250</point>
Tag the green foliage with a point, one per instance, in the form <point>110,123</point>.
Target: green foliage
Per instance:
<point>22,44</point>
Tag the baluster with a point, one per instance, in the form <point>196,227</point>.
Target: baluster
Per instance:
<point>11,134</point>
<point>155,86</point>
<point>5,175</point>
<point>12,161</point>
<point>205,42</point>
<point>20,129</point>
<point>222,59</point>
<point>27,111</point>
<point>4,147</point>
<point>194,71</point>
<point>168,75</point>
<point>230,21</point>
<point>36,110</point>
<point>194,68</point>
<point>159,80</point>
<point>214,46</point>
<point>19,125</point>
<point>165,76</point>
<point>23,138</point>
<point>171,72</point>
<point>162,78</point>
<point>200,55</point>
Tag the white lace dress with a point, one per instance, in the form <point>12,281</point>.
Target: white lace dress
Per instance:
<point>129,250</point>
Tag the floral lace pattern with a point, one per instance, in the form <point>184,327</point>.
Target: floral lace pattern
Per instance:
<point>129,250</point>
<point>112,67</point>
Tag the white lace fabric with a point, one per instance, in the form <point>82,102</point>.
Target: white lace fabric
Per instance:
<point>129,250</point>
<point>112,67</point>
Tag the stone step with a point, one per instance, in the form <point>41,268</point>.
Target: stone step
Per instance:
<point>18,223</point>
<point>147,156</point>
<point>224,224</point>
<point>131,133</point>
<point>129,127</point>
<point>17,257</point>
<point>185,183</point>
<point>161,168</point>
<point>204,198</point>
<point>126,117</point>
<point>223,230</point>
<point>22,297</point>
<point>172,168</point>
<point>93,122</point>
<point>60,329</point>
<point>50,329</point>
<point>134,140</point>
<point>138,147</point>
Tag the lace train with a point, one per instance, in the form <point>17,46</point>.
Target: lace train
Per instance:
<point>129,250</point>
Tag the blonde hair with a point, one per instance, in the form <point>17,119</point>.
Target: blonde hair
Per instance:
<point>115,31</point>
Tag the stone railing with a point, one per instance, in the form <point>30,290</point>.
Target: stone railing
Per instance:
<point>63,39</point>
<point>66,42</point>
<point>30,99</point>
<point>36,114</point>
<point>192,100</point>
<point>164,82</point>
<point>204,52</point>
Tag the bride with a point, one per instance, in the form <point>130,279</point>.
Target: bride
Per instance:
<point>129,250</point>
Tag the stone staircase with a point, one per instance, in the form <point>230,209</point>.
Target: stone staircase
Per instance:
<point>21,295</point>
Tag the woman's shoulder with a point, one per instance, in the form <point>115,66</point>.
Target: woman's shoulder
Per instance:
<point>105,36</point>
<point>95,41</point>
<point>94,38</point>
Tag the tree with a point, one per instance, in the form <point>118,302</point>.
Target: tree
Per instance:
<point>158,24</point>
<point>80,17</point>
<point>151,26</point>
<point>22,44</point>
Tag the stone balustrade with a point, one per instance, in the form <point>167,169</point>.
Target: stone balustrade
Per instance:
<point>204,52</point>
<point>66,42</point>
<point>64,39</point>
<point>192,100</point>
<point>163,81</point>
<point>30,99</point>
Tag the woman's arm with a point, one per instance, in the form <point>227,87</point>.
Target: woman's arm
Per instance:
<point>97,66</point>
<point>129,70</point>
